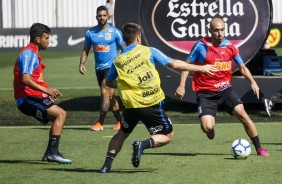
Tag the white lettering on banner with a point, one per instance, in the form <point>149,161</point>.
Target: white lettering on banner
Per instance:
<point>54,40</point>
<point>19,41</point>
<point>219,7</point>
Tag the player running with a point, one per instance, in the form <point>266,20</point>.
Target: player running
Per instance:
<point>141,93</point>
<point>215,90</point>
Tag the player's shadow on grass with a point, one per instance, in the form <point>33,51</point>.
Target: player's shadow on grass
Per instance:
<point>272,143</point>
<point>184,154</point>
<point>92,103</point>
<point>120,171</point>
<point>65,128</point>
<point>29,162</point>
<point>88,103</point>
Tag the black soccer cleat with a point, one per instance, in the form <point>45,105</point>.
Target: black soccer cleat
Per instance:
<point>46,154</point>
<point>44,158</point>
<point>58,158</point>
<point>137,152</point>
<point>105,170</point>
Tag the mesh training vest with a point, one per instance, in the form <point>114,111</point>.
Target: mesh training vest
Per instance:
<point>139,83</point>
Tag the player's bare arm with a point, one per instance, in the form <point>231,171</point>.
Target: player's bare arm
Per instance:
<point>53,93</point>
<point>180,91</point>
<point>183,66</point>
<point>247,74</point>
<point>83,59</point>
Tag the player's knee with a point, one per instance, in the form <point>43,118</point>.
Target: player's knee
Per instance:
<point>240,113</point>
<point>207,127</point>
<point>170,137</point>
<point>62,114</point>
<point>106,95</point>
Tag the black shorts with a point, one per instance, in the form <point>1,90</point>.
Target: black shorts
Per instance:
<point>36,107</point>
<point>208,102</point>
<point>153,117</point>
<point>102,74</point>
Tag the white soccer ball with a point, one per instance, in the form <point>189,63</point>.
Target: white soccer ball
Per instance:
<point>240,149</point>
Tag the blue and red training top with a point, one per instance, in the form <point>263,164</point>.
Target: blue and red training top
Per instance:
<point>222,56</point>
<point>28,62</point>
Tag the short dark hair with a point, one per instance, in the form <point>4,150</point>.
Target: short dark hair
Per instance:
<point>102,8</point>
<point>37,30</point>
<point>130,32</point>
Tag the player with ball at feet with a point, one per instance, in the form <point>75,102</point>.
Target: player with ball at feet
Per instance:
<point>215,90</point>
<point>140,90</point>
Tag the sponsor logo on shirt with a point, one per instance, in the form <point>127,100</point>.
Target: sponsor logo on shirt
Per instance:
<point>108,36</point>
<point>222,84</point>
<point>101,48</point>
<point>223,66</point>
<point>150,92</point>
<point>145,78</point>
<point>131,70</point>
<point>138,54</point>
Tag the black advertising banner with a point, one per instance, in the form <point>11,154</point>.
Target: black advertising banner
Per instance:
<point>62,39</point>
<point>173,26</point>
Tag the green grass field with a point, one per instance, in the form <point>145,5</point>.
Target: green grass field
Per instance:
<point>81,94</point>
<point>190,158</point>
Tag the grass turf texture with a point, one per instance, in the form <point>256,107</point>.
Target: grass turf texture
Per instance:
<point>190,158</point>
<point>81,95</point>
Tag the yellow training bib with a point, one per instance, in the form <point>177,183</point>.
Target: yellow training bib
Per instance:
<point>139,82</point>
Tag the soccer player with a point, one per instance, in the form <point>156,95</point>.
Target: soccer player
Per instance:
<point>110,7</point>
<point>32,94</point>
<point>215,90</point>
<point>270,103</point>
<point>140,91</point>
<point>105,39</point>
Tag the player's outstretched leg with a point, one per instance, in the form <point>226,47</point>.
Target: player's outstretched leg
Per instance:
<point>137,152</point>
<point>114,148</point>
<point>210,134</point>
<point>263,152</point>
<point>106,168</point>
